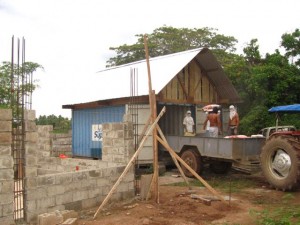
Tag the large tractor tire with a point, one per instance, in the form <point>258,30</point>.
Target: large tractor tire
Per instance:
<point>280,162</point>
<point>193,159</point>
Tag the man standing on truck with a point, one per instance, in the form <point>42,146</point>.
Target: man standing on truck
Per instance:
<point>188,124</point>
<point>234,121</point>
<point>214,122</point>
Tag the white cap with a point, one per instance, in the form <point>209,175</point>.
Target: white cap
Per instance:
<point>231,107</point>
<point>188,112</point>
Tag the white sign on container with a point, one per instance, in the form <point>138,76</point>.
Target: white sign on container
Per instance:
<point>96,132</point>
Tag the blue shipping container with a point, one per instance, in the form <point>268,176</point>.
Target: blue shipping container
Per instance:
<point>87,129</point>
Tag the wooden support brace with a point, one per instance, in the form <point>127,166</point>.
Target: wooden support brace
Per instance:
<point>213,191</point>
<point>131,161</point>
<point>174,159</point>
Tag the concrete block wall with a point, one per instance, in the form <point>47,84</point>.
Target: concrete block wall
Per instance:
<point>31,140</point>
<point>53,165</point>
<point>76,184</point>
<point>63,184</point>
<point>117,145</point>
<point>62,144</point>
<point>44,141</point>
<point>76,190</point>
<point>32,156</point>
<point>6,168</point>
<point>52,144</point>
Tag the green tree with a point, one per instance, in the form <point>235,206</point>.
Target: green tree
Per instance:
<point>252,54</point>
<point>256,119</point>
<point>275,82</point>
<point>60,124</point>
<point>167,40</point>
<point>237,69</point>
<point>291,43</point>
<point>11,77</point>
<point>267,82</point>
<point>5,84</point>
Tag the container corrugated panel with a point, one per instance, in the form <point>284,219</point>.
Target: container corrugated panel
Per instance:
<point>87,129</point>
<point>172,121</point>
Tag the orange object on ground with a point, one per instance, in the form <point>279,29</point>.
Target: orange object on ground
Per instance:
<point>62,156</point>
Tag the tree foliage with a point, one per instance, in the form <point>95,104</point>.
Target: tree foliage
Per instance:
<point>167,40</point>
<point>268,81</point>
<point>12,76</point>
<point>252,54</point>
<point>291,43</point>
<point>5,84</point>
<point>60,124</point>
<point>273,81</point>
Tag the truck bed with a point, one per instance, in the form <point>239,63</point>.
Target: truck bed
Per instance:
<point>238,150</point>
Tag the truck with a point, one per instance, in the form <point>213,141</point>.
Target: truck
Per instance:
<point>221,154</point>
<point>268,131</point>
<point>277,156</point>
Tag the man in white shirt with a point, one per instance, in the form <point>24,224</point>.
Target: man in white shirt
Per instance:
<point>188,124</point>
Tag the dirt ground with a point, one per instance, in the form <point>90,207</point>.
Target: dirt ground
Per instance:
<point>177,207</point>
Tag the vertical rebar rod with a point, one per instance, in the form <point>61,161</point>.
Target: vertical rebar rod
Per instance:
<point>12,74</point>
<point>18,130</point>
<point>22,152</point>
<point>133,109</point>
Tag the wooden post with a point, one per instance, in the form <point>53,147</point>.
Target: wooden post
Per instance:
<point>131,161</point>
<point>152,102</point>
<point>155,155</point>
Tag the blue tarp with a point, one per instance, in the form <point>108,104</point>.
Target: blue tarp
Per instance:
<point>286,108</point>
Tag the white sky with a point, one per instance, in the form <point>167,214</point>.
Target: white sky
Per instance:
<point>71,38</point>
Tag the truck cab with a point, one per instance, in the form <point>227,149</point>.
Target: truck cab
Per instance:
<point>268,131</point>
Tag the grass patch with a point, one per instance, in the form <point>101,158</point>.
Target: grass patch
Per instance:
<point>4,106</point>
<point>284,215</point>
<point>278,212</point>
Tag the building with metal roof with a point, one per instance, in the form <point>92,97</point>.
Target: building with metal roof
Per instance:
<point>115,83</point>
<point>182,81</point>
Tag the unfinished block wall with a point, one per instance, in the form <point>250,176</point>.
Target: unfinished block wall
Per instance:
<point>117,145</point>
<point>44,141</point>
<point>76,184</point>
<point>62,144</point>
<point>6,168</point>
<point>53,183</point>
<point>52,144</point>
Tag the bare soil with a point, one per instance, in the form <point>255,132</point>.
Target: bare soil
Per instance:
<point>177,207</point>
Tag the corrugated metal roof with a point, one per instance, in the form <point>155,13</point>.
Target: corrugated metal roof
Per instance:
<point>217,76</point>
<point>115,82</point>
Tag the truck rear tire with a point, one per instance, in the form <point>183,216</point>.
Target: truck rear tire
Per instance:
<point>280,162</point>
<point>193,159</point>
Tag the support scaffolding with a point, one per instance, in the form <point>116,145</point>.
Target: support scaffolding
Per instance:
<point>158,136</point>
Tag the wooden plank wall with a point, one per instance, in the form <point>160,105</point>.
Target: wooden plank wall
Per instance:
<point>190,85</point>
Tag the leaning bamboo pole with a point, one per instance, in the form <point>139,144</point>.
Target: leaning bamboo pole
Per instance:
<point>131,161</point>
<point>174,159</point>
<point>173,153</point>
